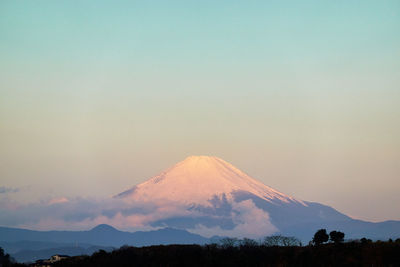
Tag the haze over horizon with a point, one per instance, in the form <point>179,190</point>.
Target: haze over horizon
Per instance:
<point>98,96</point>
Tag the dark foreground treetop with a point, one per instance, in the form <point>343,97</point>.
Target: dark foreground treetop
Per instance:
<point>344,254</point>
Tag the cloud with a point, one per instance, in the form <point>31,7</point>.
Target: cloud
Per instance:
<point>4,190</point>
<point>58,200</point>
<point>223,217</point>
<point>249,221</point>
<point>83,213</point>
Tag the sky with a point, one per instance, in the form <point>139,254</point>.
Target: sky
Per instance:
<point>97,96</point>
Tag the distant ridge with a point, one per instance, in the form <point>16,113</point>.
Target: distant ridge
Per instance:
<point>103,235</point>
<point>103,227</point>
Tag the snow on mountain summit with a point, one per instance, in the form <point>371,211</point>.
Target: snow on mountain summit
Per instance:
<point>197,179</point>
<point>209,196</point>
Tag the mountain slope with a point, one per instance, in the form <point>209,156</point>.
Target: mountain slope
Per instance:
<point>29,245</point>
<point>197,179</point>
<point>209,196</point>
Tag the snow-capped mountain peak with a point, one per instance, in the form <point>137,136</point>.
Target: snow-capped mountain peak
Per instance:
<point>197,179</point>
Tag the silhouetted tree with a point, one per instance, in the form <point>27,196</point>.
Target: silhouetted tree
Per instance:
<point>365,240</point>
<point>320,237</point>
<point>228,242</point>
<point>288,241</point>
<point>5,259</point>
<point>273,240</point>
<point>100,253</point>
<point>336,237</point>
<point>248,243</point>
<point>351,253</point>
<point>279,240</point>
<point>125,247</point>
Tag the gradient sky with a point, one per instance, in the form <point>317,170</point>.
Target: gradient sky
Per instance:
<point>96,96</point>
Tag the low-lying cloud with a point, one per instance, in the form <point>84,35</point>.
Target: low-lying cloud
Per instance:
<point>249,221</point>
<point>223,218</point>
<point>4,190</point>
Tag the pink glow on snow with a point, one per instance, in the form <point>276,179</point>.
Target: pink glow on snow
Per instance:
<point>58,200</point>
<point>197,179</point>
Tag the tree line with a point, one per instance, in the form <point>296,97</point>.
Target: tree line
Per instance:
<point>320,237</point>
<point>325,249</point>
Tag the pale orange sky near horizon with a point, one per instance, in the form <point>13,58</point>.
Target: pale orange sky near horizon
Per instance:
<point>305,98</point>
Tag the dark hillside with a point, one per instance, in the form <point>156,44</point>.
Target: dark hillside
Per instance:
<point>346,254</point>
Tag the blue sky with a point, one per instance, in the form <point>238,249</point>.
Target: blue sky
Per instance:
<point>104,94</point>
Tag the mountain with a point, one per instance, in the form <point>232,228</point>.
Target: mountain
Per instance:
<point>207,195</point>
<point>28,245</point>
<point>194,200</point>
<point>102,235</point>
<point>198,179</point>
